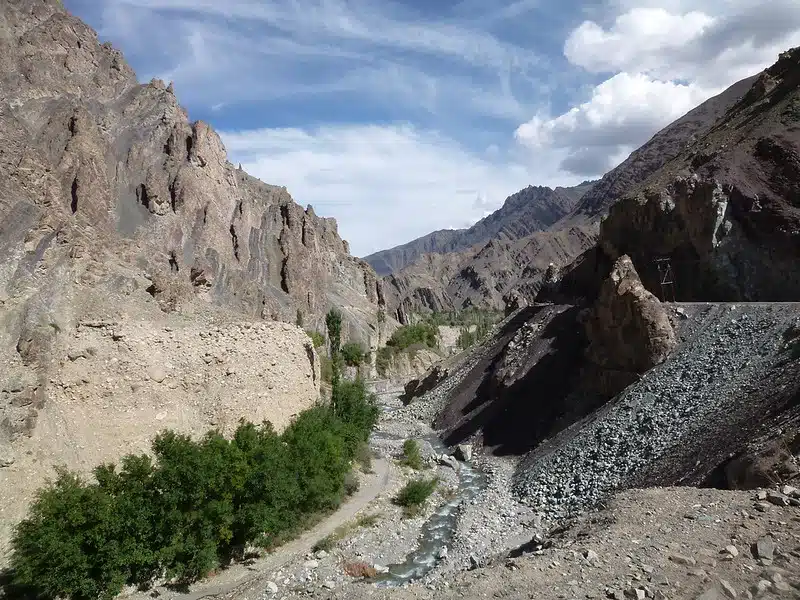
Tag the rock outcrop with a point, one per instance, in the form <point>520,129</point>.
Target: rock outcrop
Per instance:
<point>725,213</point>
<point>116,209</point>
<point>417,387</point>
<point>628,330</point>
<point>516,248</point>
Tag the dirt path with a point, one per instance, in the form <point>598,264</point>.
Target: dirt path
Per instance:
<point>242,578</point>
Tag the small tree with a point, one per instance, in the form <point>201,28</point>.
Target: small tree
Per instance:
<point>333,321</point>
<point>353,354</point>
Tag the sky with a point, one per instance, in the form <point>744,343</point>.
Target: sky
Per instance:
<point>406,116</point>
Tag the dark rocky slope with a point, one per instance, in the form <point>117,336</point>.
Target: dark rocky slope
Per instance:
<point>609,387</point>
<point>725,211</point>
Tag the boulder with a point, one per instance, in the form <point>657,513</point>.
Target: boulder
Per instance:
<point>463,452</point>
<point>628,330</point>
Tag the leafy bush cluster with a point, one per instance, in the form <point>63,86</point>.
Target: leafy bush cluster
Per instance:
<point>353,354</point>
<point>316,338</point>
<point>467,316</point>
<point>414,494</point>
<point>192,507</point>
<point>422,333</point>
<point>411,455</point>
<point>406,338</point>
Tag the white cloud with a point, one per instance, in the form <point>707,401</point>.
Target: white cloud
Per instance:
<point>635,39</point>
<point>665,57</point>
<point>622,114</point>
<point>386,185</point>
<point>331,67</point>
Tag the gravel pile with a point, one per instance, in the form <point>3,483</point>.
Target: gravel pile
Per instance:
<point>725,349</point>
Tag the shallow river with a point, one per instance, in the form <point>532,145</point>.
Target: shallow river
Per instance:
<point>438,531</point>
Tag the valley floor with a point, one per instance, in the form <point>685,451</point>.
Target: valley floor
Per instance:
<point>653,543</point>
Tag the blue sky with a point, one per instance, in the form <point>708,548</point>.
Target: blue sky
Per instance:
<point>403,117</point>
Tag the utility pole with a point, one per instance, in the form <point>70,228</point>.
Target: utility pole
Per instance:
<point>666,278</point>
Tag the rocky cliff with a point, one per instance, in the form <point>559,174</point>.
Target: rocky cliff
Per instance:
<point>118,216</point>
<point>722,216</point>
<point>519,242</point>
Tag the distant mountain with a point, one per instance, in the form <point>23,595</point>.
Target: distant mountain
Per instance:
<point>529,210</point>
<point>515,245</point>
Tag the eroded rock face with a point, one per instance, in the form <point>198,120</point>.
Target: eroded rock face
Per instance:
<point>628,330</point>
<point>116,208</point>
<point>726,211</point>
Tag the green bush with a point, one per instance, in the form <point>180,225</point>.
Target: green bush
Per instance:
<point>353,354</point>
<point>316,338</point>
<point>383,360</point>
<point>411,455</point>
<point>191,508</point>
<point>408,335</point>
<point>415,493</point>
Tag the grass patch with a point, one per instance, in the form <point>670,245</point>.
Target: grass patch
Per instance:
<point>411,456</point>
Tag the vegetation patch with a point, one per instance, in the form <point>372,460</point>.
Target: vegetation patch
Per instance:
<point>411,455</point>
<point>316,338</point>
<point>354,354</point>
<point>426,334</point>
<point>413,496</point>
<point>330,541</point>
<point>192,507</point>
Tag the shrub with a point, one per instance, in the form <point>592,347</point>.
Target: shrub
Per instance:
<point>316,338</point>
<point>67,547</point>
<point>327,543</point>
<point>408,335</point>
<point>353,354</point>
<point>416,492</point>
<point>193,507</point>
<point>411,455</point>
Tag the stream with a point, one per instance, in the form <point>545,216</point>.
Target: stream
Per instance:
<point>439,530</point>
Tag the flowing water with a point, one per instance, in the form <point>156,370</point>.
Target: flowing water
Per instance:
<point>438,531</point>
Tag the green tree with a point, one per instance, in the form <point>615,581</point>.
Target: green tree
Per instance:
<point>353,354</point>
<point>333,321</point>
<point>68,545</point>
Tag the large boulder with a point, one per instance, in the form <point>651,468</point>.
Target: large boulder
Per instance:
<point>628,330</point>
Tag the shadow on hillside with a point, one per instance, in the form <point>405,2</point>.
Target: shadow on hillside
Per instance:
<point>541,402</point>
<point>10,591</point>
